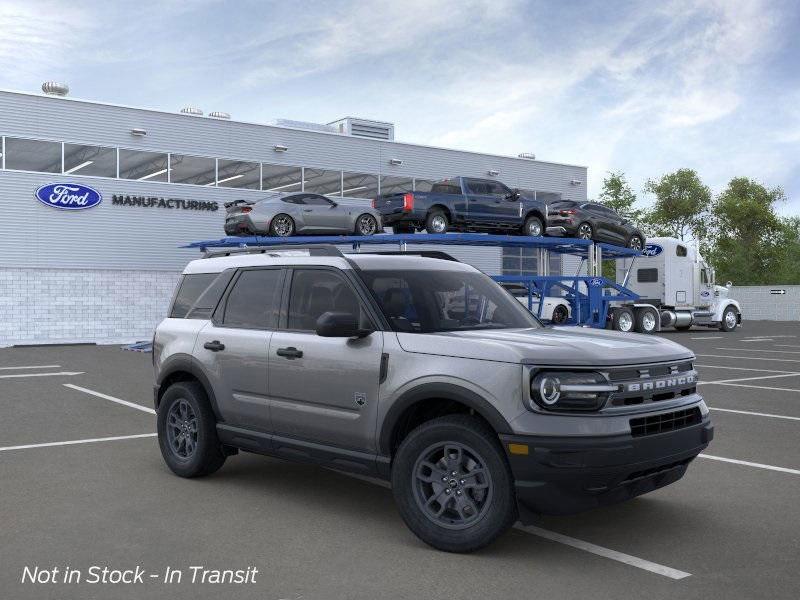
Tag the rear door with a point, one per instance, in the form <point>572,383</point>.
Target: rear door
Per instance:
<point>322,389</point>
<point>233,348</point>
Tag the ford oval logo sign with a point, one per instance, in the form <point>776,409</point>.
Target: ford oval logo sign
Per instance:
<point>595,282</point>
<point>68,196</point>
<point>652,250</point>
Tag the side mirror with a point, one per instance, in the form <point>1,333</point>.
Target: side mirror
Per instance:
<point>340,324</point>
<point>334,204</point>
<point>514,195</point>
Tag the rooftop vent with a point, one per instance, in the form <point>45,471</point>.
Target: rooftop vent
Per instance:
<point>219,115</point>
<point>303,125</point>
<point>192,110</point>
<point>53,88</point>
<point>527,155</point>
<point>376,130</point>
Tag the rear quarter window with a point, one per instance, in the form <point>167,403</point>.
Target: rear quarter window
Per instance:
<point>189,290</point>
<point>446,187</point>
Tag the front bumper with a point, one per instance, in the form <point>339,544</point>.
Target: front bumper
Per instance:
<point>566,475</point>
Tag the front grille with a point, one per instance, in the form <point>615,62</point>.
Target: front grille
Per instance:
<point>652,383</point>
<point>665,422</point>
<point>627,373</point>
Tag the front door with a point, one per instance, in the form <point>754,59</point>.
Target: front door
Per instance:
<point>480,202</point>
<point>324,389</point>
<point>233,349</point>
<point>322,214</point>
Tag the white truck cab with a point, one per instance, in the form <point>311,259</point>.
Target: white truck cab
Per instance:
<point>672,277</point>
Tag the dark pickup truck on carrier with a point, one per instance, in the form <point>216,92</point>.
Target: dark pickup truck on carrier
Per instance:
<point>464,204</point>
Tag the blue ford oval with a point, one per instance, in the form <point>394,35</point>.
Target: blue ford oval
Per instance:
<point>68,196</point>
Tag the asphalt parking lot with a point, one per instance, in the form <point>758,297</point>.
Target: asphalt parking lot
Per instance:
<point>72,498</point>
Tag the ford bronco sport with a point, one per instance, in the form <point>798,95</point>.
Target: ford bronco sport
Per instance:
<point>425,372</point>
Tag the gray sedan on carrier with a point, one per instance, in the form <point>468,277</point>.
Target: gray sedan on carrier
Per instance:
<point>284,215</point>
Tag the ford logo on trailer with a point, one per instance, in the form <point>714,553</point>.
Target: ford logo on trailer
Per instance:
<point>652,250</point>
<point>596,282</point>
<point>68,196</point>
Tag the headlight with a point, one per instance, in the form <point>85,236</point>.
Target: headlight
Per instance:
<point>565,390</point>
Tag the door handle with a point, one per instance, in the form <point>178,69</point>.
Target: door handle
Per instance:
<point>307,210</point>
<point>290,352</point>
<point>214,346</point>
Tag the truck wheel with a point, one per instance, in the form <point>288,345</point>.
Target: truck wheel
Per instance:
<point>452,484</point>
<point>187,431</point>
<point>281,226</point>
<point>533,227</point>
<point>729,319</point>
<point>645,320</point>
<point>436,222</point>
<point>560,314</point>
<point>623,320</point>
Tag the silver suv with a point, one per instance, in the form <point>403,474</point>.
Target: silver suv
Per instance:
<point>425,372</point>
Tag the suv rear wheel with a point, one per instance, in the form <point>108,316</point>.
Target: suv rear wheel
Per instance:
<point>187,432</point>
<point>452,484</point>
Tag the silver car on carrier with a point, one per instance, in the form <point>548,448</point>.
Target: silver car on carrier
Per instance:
<point>284,215</point>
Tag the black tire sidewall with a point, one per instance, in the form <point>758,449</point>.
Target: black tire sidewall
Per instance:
<point>208,456</point>
<point>615,320</point>
<point>578,231</point>
<point>430,217</point>
<point>560,309</point>
<point>639,321</point>
<point>272,226</point>
<point>473,433</point>
<point>529,220</point>
<point>358,220</point>
<point>723,323</point>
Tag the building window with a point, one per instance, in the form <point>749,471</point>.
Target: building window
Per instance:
<point>238,174</point>
<point>196,170</point>
<point>279,178</point>
<point>90,160</point>
<point>396,185</point>
<point>33,155</point>
<point>143,166</point>
<point>520,261</point>
<point>321,181</point>
<point>359,185</point>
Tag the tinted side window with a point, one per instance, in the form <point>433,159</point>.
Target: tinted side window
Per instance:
<point>204,307</point>
<point>497,189</point>
<point>477,187</point>
<point>317,291</point>
<point>314,200</point>
<point>680,250</point>
<point>191,287</point>
<point>294,199</point>
<point>446,187</point>
<point>647,275</point>
<point>253,301</point>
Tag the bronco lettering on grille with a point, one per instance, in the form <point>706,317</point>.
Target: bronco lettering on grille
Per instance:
<point>660,384</point>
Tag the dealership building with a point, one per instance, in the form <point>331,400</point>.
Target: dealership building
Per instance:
<point>105,272</point>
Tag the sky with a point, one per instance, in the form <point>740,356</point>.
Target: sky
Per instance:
<point>639,87</point>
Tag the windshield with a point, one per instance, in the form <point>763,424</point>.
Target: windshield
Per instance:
<point>420,301</point>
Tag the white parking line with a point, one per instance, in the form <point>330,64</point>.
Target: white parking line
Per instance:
<point>750,464</point>
<point>744,369</point>
<point>759,350</point>
<point>73,442</point>
<point>30,367</point>
<point>111,398</point>
<point>17,375</point>
<point>756,340</point>
<point>749,358</point>
<point>787,346</point>
<point>739,379</point>
<point>633,561</point>
<point>758,387</point>
<point>754,414</point>
<point>707,337</point>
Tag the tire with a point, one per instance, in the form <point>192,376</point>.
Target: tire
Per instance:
<point>585,231</point>
<point>730,319</point>
<point>646,321</point>
<point>366,225</point>
<point>404,228</point>
<point>533,227</point>
<point>205,456</point>
<point>623,320</point>
<point>436,221</point>
<point>635,242</point>
<point>560,314</point>
<point>471,516</point>
<point>282,225</point>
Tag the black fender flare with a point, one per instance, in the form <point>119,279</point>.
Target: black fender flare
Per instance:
<point>185,363</point>
<point>445,391</point>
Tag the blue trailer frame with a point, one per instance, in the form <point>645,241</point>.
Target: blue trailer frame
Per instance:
<point>589,296</point>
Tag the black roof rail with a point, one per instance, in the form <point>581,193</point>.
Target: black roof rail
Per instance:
<point>312,250</point>
<point>424,253</point>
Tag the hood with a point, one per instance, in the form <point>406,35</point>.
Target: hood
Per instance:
<point>720,291</point>
<point>561,346</point>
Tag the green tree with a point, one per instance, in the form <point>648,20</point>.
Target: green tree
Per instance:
<point>751,244</point>
<point>618,195</point>
<point>681,206</point>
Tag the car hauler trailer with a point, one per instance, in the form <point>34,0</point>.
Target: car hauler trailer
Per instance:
<point>675,280</point>
<point>589,296</point>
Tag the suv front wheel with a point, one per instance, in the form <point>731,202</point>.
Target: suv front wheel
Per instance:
<point>452,484</point>
<point>187,432</point>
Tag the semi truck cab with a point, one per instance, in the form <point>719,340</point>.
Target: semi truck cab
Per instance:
<point>673,277</point>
